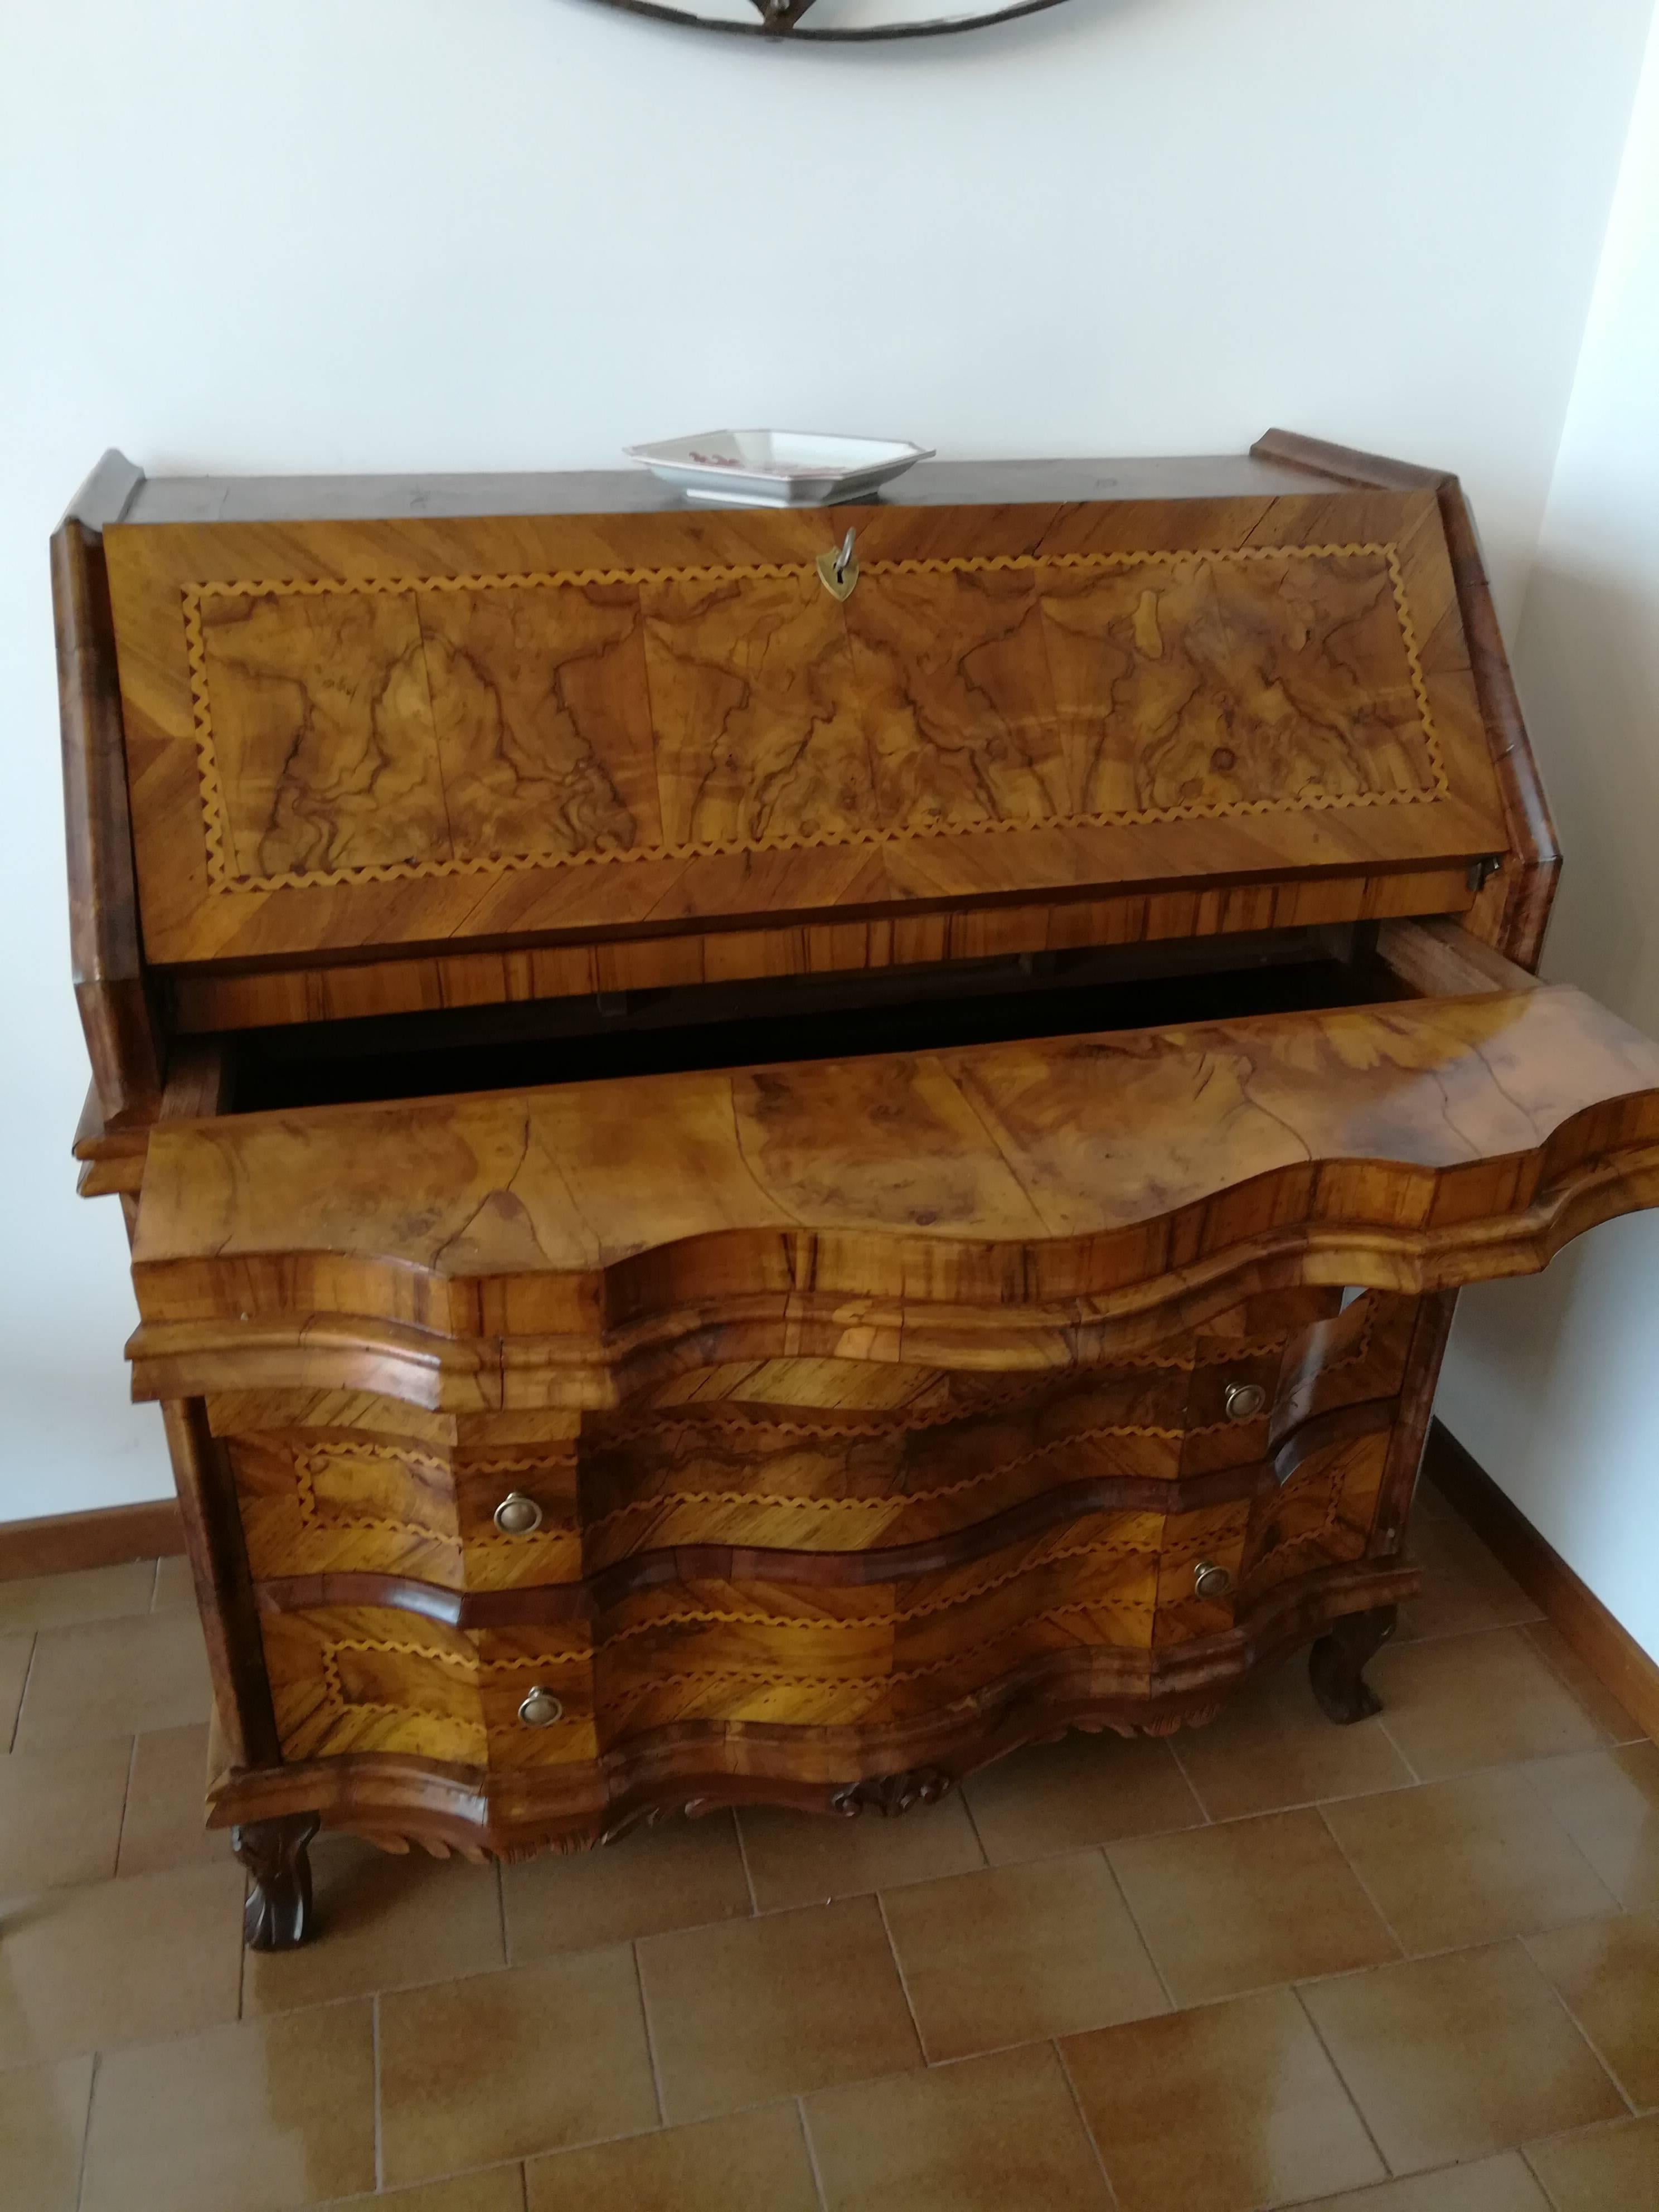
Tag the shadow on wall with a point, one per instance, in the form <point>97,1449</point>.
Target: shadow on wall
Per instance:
<point>1589,667</point>
<point>1551,1379</point>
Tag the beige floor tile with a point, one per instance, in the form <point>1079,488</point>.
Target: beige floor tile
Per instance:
<point>60,1813</point>
<point>1018,1953</point>
<point>1458,2056</point>
<point>1608,1804</point>
<point>1451,1605</point>
<point>987,2135</point>
<point>1492,2184</point>
<point>259,2115</point>
<point>680,1875</point>
<point>496,2189</point>
<point>501,2065</point>
<point>1219,2110</point>
<point>1085,1790</point>
<point>1464,1588</point>
<point>801,1858</point>
<point>745,2162</point>
<point>174,1583</point>
<point>166,1822</point>
<point>1255,1902</point>
<point>15,1652</point>
<point>1598,1701</point>
<point>1607,1971</point>
<point>114,1678</point>
<point>116,1962</point>
<point>1466,1701</point>
<point>43,2126</point>
<point>1468,1861</point>
<point>95,1593</point>
<point>1612,2169</point>
<point>385,1921</point>
<point>752,2010</point>
<point>1272,1748</point>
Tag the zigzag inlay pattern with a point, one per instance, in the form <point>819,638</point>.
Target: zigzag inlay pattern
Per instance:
<point>344,754</point>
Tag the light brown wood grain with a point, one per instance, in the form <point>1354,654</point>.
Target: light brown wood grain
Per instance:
<point>378,735</point>
<point>881,1413</point>
<point>209,1000</point>
<point>948,1209</point>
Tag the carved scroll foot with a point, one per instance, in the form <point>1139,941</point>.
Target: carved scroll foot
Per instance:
<point>1336,1664</point>
<point>278,1915</point>
<point>892,1794</point>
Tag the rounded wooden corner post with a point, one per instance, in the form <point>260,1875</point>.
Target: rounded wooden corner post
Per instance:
<point>1338,1661</point>
<point>278,1914</point>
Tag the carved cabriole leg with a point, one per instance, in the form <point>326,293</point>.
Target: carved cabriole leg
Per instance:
<point>1336,1664</point>
<point>278,1916</point>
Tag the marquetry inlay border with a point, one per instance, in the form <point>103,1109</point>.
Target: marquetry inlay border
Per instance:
<point>222,877</point>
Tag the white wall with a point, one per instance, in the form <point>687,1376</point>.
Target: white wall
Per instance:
<point>1554,1383</point>
<point>498,233</point>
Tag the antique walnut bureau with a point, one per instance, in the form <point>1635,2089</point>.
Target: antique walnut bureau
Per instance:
<point>759,1175</point>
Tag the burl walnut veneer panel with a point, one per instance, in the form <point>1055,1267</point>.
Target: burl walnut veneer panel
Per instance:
<point>1032,1204</point>
<point>342,735</point>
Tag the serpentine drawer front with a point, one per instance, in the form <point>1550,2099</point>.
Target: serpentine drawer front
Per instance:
<point>761,1177</point>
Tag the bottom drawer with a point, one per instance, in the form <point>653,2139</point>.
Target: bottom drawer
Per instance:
<point>834,1649</point>
<point>348,1679</point>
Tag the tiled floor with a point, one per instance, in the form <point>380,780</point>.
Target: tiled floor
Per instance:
<point>1412,1966</point>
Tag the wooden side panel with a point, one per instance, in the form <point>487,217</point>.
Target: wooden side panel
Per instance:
<point>123,1039</point>
<point>1323,1515</point>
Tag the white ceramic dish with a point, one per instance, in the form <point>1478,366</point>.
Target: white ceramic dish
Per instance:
<point>777,468</point>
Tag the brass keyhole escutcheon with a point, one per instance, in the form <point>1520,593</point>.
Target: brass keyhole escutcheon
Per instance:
<point>1244,1400</point>
<point>838,572</point>
<point>517,1514</point>
<point>540,1709</point>
<point>1210,1580</point>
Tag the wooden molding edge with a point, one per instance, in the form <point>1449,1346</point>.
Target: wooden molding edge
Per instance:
<point>65,1543</point>
<point>1607,1649</point>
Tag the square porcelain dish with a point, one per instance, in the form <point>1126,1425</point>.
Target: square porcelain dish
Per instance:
<point>777,468</point>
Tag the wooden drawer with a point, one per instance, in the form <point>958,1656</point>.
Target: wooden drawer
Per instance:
<point>359,1679</point>
<point>829,1653</point>
<point>744,1471</point>
<point>332,1500</point>
<point>1323,1513</point>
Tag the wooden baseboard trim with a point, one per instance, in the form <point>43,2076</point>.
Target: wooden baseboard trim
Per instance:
<point>65,1541</point>
<point>1610,1652</point>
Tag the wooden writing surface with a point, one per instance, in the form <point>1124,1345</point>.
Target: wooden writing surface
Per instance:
<point>1023,1204</point>
<point>406,733</point>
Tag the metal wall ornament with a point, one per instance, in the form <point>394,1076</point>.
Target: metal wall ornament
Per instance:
<point>781,20</point>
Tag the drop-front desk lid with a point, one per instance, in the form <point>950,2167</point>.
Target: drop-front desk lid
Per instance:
<point>1031,1204</point>
<point>372,730</point>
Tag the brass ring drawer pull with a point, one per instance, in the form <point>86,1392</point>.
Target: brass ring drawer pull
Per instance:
<point>1244,1400</point>
<point>540,1709</point>
<point>1210,1580</point>
<point>517,1514</point>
